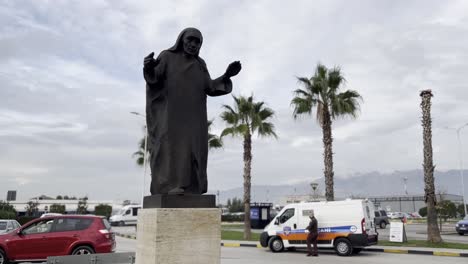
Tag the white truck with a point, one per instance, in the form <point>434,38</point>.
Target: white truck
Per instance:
<point>128,215</point>
<point>347,226</point>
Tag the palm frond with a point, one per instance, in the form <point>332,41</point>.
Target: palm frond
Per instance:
<point>267,129</point>
<point>335,80</point>
<point>346,104</point>
<point>301,106</point>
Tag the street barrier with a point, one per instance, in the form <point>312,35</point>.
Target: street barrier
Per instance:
<point>111,258</point>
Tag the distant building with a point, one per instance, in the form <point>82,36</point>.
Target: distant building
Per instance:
<point>409,203</point>
<point>288,199</point>
<point>71,206</point>
<point>394,203</point>
<point>11,196</point>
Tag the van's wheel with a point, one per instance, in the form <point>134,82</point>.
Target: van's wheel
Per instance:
<point>343,247</point>
<point>383,225</point>
<point>276,244</point>
<point>83,250</point>
<point>121,223</point>
<point>357,250</point>
<point>3,257</point>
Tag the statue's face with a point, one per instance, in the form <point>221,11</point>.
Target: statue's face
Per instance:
<point>192,45</point>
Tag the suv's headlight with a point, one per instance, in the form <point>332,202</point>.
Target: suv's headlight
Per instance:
<point>456,225</point>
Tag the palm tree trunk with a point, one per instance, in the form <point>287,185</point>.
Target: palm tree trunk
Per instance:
<point>433,233</point>
<point>247,184</point>
<point>328,154</point>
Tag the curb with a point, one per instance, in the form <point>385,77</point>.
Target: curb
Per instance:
<point>381,250</point>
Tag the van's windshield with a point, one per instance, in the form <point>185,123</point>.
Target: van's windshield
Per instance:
<point>122,211</point>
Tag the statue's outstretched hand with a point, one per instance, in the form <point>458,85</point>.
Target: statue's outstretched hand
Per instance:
<point>149,62</point>
<point>233,69</point>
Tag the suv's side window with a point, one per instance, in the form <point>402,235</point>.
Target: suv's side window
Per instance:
<point>72,224</point>
<point>43,226</point>
<point>286,215</point>
<point>377,214</point>
<point>383,213</point>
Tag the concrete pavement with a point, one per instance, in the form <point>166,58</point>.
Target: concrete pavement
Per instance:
<point>447,252</point>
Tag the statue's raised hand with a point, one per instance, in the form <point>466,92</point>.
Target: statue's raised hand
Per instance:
<point>149,62</point>
<point>233,69</point>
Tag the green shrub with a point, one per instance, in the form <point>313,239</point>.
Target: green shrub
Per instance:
<point>24,219</point>
<point>7,215</point>
<point>103,209</point>
<point>232,218</point>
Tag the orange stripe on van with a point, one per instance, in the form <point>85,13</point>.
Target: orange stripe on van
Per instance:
<point>321,236</point>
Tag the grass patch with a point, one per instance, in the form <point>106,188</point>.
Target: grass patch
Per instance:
<point>423,243</point>
<point>232,226</point>
<point>236,235</point>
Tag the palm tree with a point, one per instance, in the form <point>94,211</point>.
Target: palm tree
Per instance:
<point>213,140</point>
<point>322,91</point>
<point>433,232</point>
<point>244,119</point>
<point>140,154</point>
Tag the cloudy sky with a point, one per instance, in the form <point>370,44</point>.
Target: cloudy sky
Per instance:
<point>70,74</point>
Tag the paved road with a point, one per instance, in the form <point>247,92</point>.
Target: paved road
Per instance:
<point>419,231</point>
<point>263,256</point>
<point>413,231</point>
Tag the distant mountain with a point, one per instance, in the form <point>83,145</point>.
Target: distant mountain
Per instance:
<point>368,184</point>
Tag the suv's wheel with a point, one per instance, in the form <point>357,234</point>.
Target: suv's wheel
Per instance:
<point>3,257</point>
<point>343,247</point>
<point>276,244</point>
<point>83,250</point>
<point>383,225</point>
<point>461,233</point>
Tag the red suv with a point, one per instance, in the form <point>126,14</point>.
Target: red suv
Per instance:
<point>57,236</point>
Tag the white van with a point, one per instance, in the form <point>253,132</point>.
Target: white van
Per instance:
<point>126,216</point>
<point>347,226</point>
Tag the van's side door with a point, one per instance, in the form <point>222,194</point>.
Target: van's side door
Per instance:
<point>288,219</point>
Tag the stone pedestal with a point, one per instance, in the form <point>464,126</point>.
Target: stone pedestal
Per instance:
<point>178,235</point>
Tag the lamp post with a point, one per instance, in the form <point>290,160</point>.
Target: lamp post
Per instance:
<point>314,186</point>
<point>460,157</point>
<point>144,157</point>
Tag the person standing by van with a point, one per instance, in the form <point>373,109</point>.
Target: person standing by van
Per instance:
<point>313,235</point>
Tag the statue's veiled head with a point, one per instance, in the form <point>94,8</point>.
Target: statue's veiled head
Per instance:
<point>189,41</point>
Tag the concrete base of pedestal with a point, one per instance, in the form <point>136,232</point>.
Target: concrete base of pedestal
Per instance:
<point>178,235</point>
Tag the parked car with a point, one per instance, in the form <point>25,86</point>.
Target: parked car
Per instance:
<point>381,219</point>
<point>128,215</point>
<point>462,226</point>
<point>57,236</point>
<point>8,225</point>
<point>416,215</point>
<point>396,215</point>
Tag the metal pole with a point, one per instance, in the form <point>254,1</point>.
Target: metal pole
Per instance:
<point>460,155</point>
<point>144,165</point>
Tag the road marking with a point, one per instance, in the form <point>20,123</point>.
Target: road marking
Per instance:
<point>446,254</point>
<point>231,244</point>
<point>398,251</point>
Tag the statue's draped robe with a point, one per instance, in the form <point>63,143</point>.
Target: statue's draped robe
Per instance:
<point>176,91</point>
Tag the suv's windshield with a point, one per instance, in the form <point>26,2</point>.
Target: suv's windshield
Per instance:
<point>466,218</point>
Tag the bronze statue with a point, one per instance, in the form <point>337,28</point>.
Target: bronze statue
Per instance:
<point>177,84</point>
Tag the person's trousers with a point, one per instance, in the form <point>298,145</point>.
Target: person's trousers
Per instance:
<point>312,239</point>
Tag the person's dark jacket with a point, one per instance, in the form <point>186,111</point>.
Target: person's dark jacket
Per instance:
<point>313,226</point>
